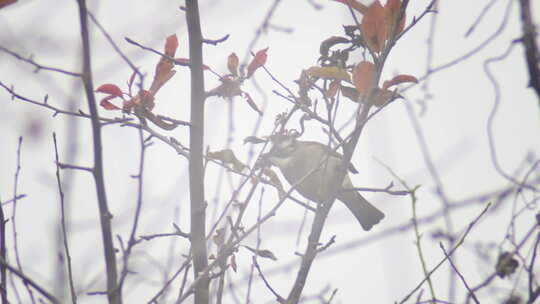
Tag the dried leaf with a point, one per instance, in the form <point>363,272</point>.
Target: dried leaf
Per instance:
<point>392,9</point>
<point>251,103</point>
<point>232,64</point>
<point>258,61</point>
<point>144,98</point>
<point>350,93</point>
<point>105,103</point>
<point>227,156</point>
<point>264,253</point>
<point>219,237</point>
<point>399,79</point>
<point>332,89</point>
<point>274,180</point>
<point>373,27</point>
<point>110,89</point>
<point>171,45</point>
<point>355,5</point>
<point>253,140</point>
<point>364,77</point>
<point>382,96</point>
<point>330,42</point>
<point>506,264</point>
<point>228,88</point>
<point>329,72</point>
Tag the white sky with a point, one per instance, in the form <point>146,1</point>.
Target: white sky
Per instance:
<point>454,126</point>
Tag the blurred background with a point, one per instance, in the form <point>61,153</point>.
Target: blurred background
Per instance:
<point>451,107</point>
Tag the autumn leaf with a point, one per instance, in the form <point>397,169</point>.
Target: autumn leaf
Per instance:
<point>350,93</point>
<point>382,96</point>
<point>399,79</point>
<point>105,103</point>
<point>162,76</point>
<point>164,69</point>
<point>264,253</point>
<point>373,27</point>
<point>364,77</point>
<point>258,61</point>
<point>392,9</point>
<point>228,88</point>
<point>253,140</point>
<point>330,42</point>
<point>274,180</point>
<point>355,5</point>
<point>232,64</point>
<point>329,72</point>
<point>332,89</point>
<point>227,156</point>
<point>110,89</point>
<point>171,44</point>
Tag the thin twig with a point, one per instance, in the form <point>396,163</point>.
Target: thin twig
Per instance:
<point>456,246</point>
<point>14,217</point>
<point>29,281</point>
<point>39,66</point>
<point>279,298</point>
<point>471,293</point>
<point>63,224</point>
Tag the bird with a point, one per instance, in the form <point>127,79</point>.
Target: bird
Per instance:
<point>311,166</point>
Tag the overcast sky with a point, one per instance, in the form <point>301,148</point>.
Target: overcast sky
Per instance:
<point>453,109</point>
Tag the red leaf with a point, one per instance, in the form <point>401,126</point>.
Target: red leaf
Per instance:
<point>399,79</point>
<point>110,89</point>
<point>364,77</point>
<point>105,103</point>
<point>171,45</point>
<point>258,61</point>
<point>232,64</point>
<point>251,103</point>
<point>373,27</point>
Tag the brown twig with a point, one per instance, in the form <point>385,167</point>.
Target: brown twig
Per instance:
<point>63,224</point>
<point>450,253</point>
<point>113,292</point>
<point>14,217</point>
<point>39,66</point>
<point>471,293</point>
<point>196,175</point>
<point>279,298</point>
<point>29,281</point>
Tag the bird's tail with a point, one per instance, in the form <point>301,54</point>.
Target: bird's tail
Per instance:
<point>366,214</point>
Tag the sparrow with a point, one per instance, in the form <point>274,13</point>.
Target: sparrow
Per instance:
<point>296,159</point>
